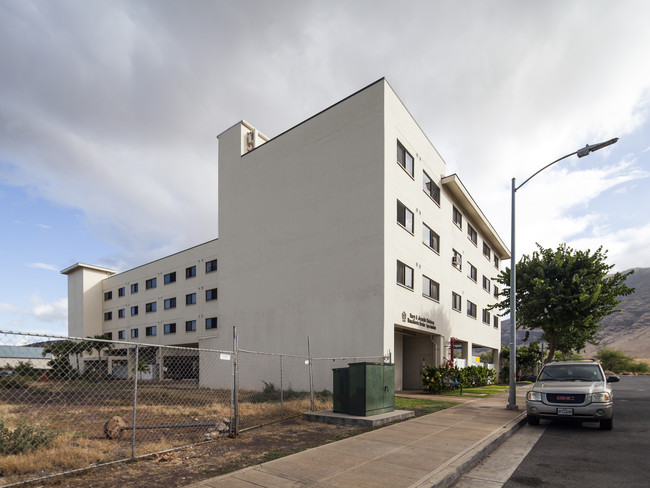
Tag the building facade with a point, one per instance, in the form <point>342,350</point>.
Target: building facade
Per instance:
<point>344,229</point>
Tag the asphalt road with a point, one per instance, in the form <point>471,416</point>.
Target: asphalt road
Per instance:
<point>574,455</point>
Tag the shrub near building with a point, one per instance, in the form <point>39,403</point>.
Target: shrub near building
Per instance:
<point>440,379</point>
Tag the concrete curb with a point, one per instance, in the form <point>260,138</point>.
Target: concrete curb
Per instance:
<point>450,472</point>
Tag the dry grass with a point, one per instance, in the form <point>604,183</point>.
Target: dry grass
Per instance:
<point>82,443</point>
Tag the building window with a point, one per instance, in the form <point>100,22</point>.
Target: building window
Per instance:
<point>150,307</point>
<point>472,235</point>
<point>121,334</point>
<point>404,275</point>
<point>486,316</point>
<point>170,278</point>
<point>496,261</point>
<point>121,313</point>
<point>457,260</point>
<point>486,283</point>
<point>134,288</point>
<point>108,315</point>
<point>190,326</point>
<point>108,295</point>
<point>151,331</point>
<point>190,272</point>
<point>170,303</point>
<point>190,299</point>
<point>473,272</point>
<point>496,291</point>
<point>405,159</point>
<point>430,238</point>
<point>471,309</point>
<point>430,288</point>
<point>456,301</point>
<point>152,283</point>
<point>134,310</point>
<point>210,294</point>
<point>495,322</point>
<point>211,266</point>
<point>170,328</point>
<point>121,292</point>
<point>486,250</point>
<point>211,323</point>
<point>134,333</point>
<point>430,188</point>
<point>108,335</point>
<point>404,217</point>
<point>457,217</point>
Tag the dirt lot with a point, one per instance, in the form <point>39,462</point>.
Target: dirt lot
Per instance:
<point>187,466</point>
<point>183,467</point>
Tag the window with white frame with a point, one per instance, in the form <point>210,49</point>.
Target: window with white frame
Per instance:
<point>190,299</point>
<point>487,252</point>
<point>405,159</point>
<point>404,275</point>
<point>170,277</point>
<point>471,309</point>
<point>169,328</point>
<point>486,316</point>
<point>496,261</point>
<point>430,188</point>
<point>211,323</point>
<point>456,301</point>
<point>495,322</point>
<point>152,283</point>
<point>430,238</point>
<point>404,217</point>
<point>170,303</point>
<point>457,260</point>
<point>473,272</point>
<point>190,326</point>
<point>486,283</point>
<point>430,288</point>
<point>210,294</point>
<point>151,330</point>
<point>457,217</point>
<point>211,266</point>
<point>471,234</point>
<point>150,307</point>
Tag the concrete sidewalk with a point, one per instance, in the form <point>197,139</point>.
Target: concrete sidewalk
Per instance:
<point>428,451</point>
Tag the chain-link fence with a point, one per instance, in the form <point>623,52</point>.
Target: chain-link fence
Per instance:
<point>70,403</point>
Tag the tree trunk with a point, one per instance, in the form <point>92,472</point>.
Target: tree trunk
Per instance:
<point>551,352</point>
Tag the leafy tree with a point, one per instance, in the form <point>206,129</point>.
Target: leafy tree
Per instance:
<point>619,362</point>
<point>565,293</point>
<point>527,358</point>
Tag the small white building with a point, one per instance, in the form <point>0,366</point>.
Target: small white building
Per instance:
<point>345,228</point>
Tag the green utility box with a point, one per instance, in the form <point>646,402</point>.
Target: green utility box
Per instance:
<point>364,389</point>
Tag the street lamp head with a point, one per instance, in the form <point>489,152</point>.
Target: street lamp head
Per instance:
<point>595,147</point>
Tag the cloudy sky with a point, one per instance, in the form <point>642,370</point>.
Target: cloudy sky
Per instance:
<point>109,112</point>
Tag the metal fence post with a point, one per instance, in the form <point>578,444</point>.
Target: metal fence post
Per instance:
<point>135,399</point>
<point>235,383</point>
<point>311,375</point>
<point>281,389</point>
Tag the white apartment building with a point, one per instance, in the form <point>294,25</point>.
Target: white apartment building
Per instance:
<point>345,229</point>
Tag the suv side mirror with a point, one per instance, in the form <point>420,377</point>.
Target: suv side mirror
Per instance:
<point>613,379</point>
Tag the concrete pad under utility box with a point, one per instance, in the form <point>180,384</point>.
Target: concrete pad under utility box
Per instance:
<point>331,417</point>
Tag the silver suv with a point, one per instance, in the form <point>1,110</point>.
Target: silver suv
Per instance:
<point>572,390</point>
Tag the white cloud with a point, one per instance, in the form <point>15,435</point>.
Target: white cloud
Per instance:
<point>117,111</point>
<point>48,267</point>
<point>49,312</point>
<point>6,307</point>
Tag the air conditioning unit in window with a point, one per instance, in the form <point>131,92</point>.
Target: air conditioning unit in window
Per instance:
<point>455,261</point>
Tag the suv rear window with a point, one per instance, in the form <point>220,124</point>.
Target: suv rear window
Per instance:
<point>571,372</point>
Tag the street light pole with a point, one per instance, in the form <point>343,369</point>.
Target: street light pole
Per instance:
<point>512,393</point>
